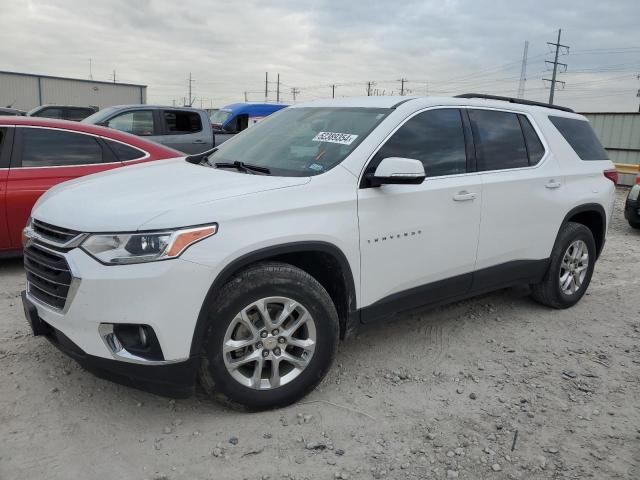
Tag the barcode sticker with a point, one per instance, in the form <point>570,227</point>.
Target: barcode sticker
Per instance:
<point>335,137</point>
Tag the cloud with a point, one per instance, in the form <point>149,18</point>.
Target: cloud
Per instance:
<point>441,47</point>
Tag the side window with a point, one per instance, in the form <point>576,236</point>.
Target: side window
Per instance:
<point>124,152</point>
<point>534,145</point>
<point>498,140</point>
<point>181,122</point>
<point>52,112</point>
<point>434,137</point>
<point>2,154</point>
<point>581,137</point>
<point>138,123</point>
<point>48,148</point>
<point>76,114</point>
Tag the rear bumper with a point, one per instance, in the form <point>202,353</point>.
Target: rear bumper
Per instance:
<point>175,379</point>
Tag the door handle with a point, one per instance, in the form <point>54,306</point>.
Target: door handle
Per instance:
<point>198,141</point>
<point>551,184</point>
<point>464,196</point>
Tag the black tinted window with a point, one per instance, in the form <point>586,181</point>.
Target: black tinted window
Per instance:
<point>581,137</point>
<point>179,122</point>
<point>534,145</point>
<point>45,148</point>
<point>498,139</point>
<point>434,137</point>
<point>124,152</point>
<point>50,113</point>
<point>76,114</point>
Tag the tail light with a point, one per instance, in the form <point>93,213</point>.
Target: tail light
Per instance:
<point>638,179</point>
<point>611,175</point>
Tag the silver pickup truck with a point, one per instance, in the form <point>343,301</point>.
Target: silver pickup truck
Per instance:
<point>183,128</point>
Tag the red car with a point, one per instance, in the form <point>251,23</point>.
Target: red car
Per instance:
<point>37,153</point>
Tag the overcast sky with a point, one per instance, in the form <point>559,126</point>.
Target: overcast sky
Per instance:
<point>441,47</point>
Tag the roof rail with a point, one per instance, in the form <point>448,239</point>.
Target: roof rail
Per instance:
<point>514,100</point>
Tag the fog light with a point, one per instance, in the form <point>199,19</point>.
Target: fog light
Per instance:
<point>132,341</point>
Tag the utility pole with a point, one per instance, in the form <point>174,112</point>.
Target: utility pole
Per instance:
<point>402,81</point>
<point>266,86</point>
<point>555,64</point>
<point>191,99</point>
<point>523,70</point>
<point>638,94</point>
<point>369,85</point>
<point>278,89</point>
<point>90,69</point>
<point>333,91</point>
<point>294,92</point>
<point>114,76</point>
<point>245,96</point>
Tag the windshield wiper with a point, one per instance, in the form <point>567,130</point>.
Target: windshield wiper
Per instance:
<point>243,167</point>
<point>198,158</point>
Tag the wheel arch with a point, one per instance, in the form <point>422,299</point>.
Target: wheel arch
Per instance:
<point>322,260</point>
<point>592,216</point>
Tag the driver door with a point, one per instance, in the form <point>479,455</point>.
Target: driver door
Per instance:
<point>418,243</point>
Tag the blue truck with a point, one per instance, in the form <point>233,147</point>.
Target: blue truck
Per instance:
<point>237,117</point>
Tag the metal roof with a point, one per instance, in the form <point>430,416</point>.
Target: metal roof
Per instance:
<point>36,75</point>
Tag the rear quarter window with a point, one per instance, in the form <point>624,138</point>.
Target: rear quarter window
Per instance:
<point>581,137</point>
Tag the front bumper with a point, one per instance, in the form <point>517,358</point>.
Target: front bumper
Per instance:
<point>175,379</point>
<point>167,296</point>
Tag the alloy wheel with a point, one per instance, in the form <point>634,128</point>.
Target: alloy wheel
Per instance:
<point>269,343</point>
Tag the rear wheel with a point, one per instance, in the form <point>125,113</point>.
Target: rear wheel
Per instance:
<point>635,224</point>
<point>570,269</point>
<point>273,336</point>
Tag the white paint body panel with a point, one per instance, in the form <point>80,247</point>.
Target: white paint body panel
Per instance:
<point>512,216</point>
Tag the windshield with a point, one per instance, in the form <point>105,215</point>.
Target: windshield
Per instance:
<point>219,117</point>
<point>301,141</point>
<point>99,116</point>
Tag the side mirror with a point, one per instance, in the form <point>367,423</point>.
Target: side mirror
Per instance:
<point>397,171</point>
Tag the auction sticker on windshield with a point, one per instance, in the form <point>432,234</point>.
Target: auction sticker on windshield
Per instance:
<point>335,137</point>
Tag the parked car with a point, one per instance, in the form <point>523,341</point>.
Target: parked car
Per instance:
<point>11,111</point>
<point>183,128</point>
<point>36,154</point>
<point>244,267</point>
<point>62,112</point>
<point>236,117</point>
<point>632,205</point>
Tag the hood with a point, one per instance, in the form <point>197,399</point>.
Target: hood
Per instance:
<point>125,198</point>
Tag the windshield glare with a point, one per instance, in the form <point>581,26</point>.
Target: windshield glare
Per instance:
<point>301,141</point>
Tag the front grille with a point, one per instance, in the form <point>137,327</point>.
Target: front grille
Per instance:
<point>48,275</point>
<point>52,233</point>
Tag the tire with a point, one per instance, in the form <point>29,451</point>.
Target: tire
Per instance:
<point>267,284</point>
<point>635,225</point>
<point>549,291</point>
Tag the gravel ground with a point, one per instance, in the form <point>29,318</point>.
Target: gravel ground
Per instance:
<point>495,387</point>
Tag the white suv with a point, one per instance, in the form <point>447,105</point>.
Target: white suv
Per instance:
<point>243,267</point>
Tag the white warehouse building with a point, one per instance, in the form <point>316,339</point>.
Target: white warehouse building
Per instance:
<point>25,91</point>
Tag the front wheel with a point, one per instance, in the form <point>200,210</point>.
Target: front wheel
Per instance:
<point>571,266</point>
<point>272,338</point>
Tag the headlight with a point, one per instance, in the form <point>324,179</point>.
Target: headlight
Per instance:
<point>140,247</point>
<point>634,193</point>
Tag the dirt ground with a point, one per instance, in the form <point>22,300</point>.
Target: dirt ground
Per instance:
<point>495,387</point>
